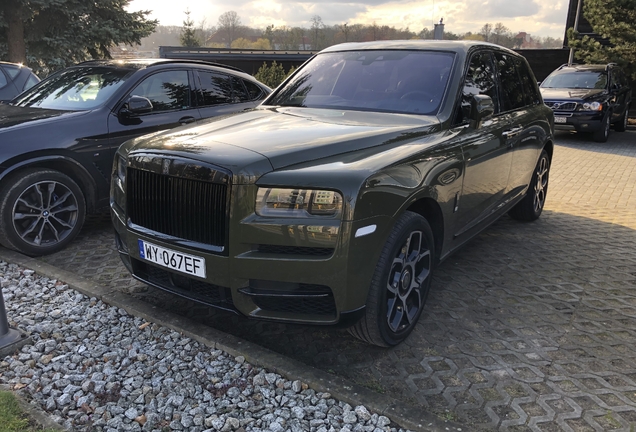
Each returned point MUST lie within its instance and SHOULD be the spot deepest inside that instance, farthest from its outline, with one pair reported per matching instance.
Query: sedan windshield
(392, 81)
(582, 80)
(75, 89)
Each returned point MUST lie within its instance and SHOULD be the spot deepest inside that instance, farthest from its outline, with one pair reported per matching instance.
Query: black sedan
(58, 139)
(14, 79)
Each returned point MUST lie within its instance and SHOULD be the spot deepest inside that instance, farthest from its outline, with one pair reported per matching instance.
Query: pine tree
(612, 20)
(188, 33)
(53, 34)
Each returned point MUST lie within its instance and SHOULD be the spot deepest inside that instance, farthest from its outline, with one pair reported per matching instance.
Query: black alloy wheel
(40, 212)
(531, 206)
(400, 284)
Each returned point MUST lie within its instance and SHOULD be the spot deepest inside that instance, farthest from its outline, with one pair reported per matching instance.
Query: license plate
(559, 119)
(184, 263)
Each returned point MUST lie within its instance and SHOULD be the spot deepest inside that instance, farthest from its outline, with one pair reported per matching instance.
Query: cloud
(538, 17)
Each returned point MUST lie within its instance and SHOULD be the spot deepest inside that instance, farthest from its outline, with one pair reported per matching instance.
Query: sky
(536, 17)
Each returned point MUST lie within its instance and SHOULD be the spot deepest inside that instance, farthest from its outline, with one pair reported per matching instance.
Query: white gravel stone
(91, 367)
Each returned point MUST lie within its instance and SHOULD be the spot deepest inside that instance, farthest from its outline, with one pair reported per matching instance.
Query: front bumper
(277, 270)
(584, 121)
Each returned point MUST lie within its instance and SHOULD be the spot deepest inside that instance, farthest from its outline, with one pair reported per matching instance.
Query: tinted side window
(531, 90)
(253, 90)
(169, 90)
(239, 91)
(30, 82)
(480, 80)
(13, 71)
(3, 79)
(512, 94)
(215, 88)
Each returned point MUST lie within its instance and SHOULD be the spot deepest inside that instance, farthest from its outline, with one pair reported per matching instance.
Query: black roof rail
(161, 61)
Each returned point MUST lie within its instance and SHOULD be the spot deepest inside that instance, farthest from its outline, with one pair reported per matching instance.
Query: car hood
(288, 136)
(16, 117)
(570, 94)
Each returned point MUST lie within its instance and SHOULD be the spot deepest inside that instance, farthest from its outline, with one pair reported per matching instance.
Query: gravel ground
(94, 367)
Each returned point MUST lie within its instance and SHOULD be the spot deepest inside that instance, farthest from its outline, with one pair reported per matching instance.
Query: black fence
(542, 61)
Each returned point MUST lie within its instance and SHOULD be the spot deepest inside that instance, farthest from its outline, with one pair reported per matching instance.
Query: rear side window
(239, 93)
(216, 88)
(253, 90)
(3, 79)
(30, 82)
(530, 88)
(13, 71)
(512, 90)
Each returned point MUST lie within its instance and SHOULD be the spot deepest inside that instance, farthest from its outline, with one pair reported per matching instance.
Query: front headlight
(120, 171)
(592, 106)
(275, 202)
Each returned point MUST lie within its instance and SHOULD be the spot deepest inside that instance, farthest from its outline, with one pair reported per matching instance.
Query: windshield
(577, 80)
(394, 81)
(79, 88)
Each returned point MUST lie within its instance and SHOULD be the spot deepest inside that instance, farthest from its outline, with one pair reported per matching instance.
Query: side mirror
(136, 105)
(481, 108)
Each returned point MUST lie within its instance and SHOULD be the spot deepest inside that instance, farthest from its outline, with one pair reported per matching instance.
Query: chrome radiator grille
(179, 207)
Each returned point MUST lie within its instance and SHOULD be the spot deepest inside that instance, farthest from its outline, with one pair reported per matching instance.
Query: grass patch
(13, 418)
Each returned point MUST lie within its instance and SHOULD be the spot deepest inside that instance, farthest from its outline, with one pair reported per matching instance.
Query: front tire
(602, 134)
(531, 206)
(400, 284)
(41, 211)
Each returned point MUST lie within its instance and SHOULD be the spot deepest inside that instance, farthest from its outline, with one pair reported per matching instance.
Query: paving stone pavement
(530, 327)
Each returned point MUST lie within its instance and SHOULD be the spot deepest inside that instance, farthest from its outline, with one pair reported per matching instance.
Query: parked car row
(328, 201)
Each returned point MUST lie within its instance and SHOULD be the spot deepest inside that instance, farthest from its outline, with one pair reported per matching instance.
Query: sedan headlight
(120, 171)
(592, 106)
(275, 202)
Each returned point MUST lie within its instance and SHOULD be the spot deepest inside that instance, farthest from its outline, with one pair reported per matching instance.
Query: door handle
(186, 120)
(511, 133)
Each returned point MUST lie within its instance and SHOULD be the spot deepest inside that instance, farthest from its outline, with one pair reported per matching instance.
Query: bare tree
(229, 24)
(317, 27)
(485, 31)
(501, 34)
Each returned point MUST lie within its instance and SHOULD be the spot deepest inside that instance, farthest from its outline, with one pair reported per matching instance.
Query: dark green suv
(334, 201)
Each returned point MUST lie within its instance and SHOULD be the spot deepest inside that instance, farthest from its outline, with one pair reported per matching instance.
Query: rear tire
(400, 284)
(621, 125)
(41, 211)
(531, 206)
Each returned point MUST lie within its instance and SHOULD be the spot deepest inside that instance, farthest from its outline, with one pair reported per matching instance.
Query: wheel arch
(63, 164)
(431, 211)
(549, 148)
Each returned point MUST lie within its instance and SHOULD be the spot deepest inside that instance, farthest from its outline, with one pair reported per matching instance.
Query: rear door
(520, 102)
(222, 94)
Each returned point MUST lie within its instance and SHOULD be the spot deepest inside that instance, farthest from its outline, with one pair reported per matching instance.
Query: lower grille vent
(190, 288)
(305, 299)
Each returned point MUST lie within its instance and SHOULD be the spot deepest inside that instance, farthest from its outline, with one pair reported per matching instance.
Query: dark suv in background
(334, 201)
(588, 98)
(58, 139)
(14, 79)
